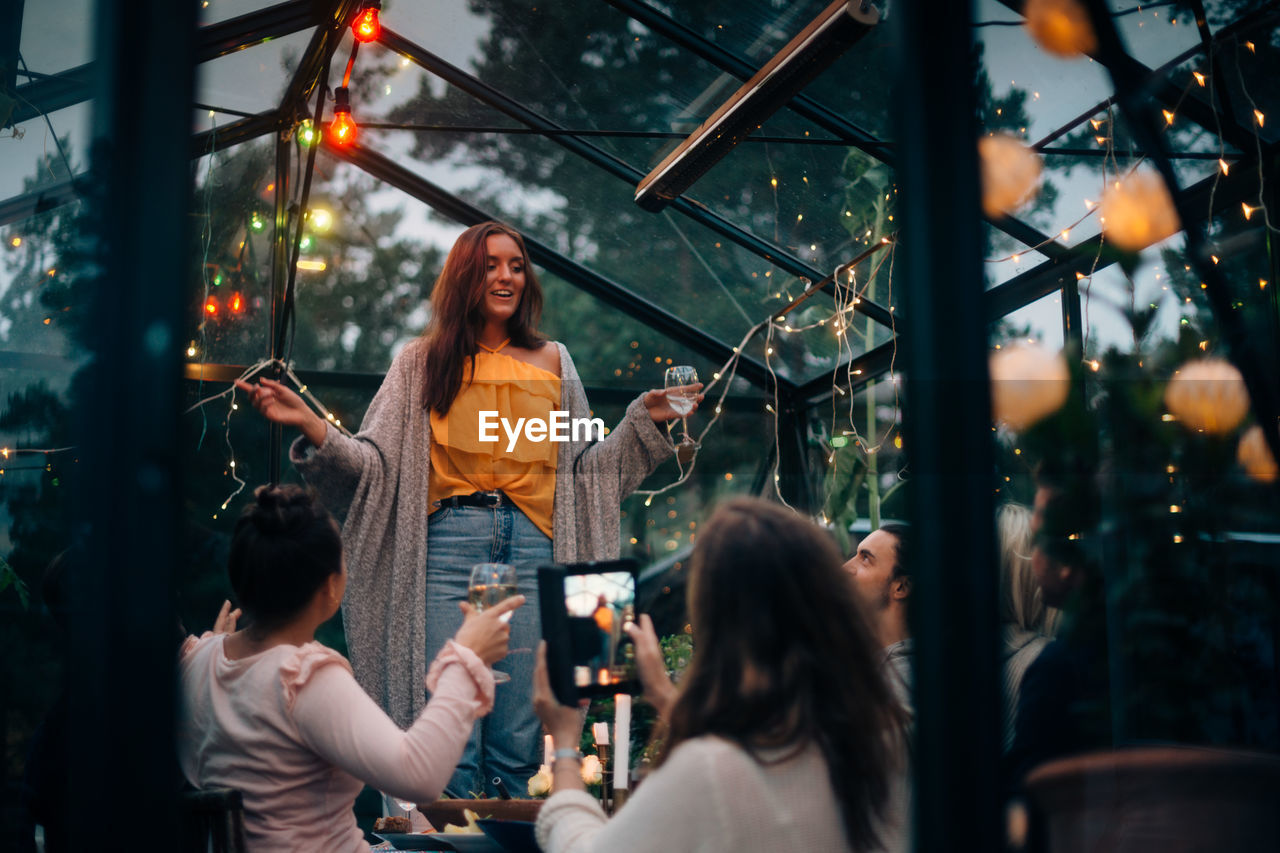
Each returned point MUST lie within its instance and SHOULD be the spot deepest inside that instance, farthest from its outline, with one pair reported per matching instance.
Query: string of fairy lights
(1123, 196)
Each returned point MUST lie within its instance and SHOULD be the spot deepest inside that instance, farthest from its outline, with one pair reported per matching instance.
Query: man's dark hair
(902, 551)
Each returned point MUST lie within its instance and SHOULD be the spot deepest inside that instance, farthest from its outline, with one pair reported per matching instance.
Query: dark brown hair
(784, 657)
(285, 546)
(457, 319)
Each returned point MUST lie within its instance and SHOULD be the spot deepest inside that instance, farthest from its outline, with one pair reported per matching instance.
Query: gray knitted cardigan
(377, 484)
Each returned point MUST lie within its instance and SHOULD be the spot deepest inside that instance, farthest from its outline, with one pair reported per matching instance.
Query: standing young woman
(426, 498)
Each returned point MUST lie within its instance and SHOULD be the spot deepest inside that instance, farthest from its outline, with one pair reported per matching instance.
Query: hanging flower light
(1208, 394)
(1010, 173)
(1255, 456)
(1028, 383)
(1061, 27)
(1138, 211)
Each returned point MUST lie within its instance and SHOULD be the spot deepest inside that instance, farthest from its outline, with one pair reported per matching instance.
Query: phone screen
(599, 605)
(585, 608)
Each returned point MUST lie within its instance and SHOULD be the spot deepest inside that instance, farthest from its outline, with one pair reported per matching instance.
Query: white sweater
(709, 795)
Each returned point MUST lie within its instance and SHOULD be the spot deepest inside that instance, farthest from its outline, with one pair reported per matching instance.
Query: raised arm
(341, 723)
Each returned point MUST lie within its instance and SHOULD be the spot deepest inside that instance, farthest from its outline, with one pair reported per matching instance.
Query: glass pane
(251, 80)
(230, 292)
(34, 157)
(57, 35)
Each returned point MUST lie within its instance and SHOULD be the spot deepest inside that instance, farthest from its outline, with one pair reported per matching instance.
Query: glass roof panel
(32, 156)
(229, 301)
(577, 66)
(56, 35)
(251, 80)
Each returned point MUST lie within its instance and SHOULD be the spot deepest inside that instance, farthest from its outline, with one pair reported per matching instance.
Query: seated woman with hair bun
(279, 717)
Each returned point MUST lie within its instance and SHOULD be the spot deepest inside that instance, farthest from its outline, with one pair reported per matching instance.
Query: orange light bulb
(366, 27)
(211, 307)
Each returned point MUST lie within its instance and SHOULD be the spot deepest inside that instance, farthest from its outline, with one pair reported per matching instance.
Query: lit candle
(600, 731)
(621, 741)
(548, 749)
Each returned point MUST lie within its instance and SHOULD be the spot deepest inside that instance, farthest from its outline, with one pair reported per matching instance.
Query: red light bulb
(342, 130)
(365, 27)
(211, 306)
(236, 304)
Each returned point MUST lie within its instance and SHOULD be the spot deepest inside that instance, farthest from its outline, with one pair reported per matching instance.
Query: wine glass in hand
(491, 583)
(682, 397)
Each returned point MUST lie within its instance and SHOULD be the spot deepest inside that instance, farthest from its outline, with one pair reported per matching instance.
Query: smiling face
(872, 568)
(504, 279)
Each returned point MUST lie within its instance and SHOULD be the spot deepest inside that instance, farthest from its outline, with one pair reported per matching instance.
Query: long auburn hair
(784, 657)
(457, 319)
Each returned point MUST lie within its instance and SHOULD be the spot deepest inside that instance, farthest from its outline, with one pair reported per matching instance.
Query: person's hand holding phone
(658, 687)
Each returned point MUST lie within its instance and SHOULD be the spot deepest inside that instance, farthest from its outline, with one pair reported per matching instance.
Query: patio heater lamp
(835, 30)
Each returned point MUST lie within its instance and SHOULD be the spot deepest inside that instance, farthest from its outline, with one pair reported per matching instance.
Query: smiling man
(882, 580)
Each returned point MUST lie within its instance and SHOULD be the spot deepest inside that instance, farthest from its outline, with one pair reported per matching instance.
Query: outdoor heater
(834, 31)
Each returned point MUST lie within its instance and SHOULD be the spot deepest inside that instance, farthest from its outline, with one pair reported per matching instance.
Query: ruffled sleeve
(299, 668)
(480, 675)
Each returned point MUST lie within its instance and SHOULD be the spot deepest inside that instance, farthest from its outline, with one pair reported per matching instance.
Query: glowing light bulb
(1222, 164)
(342, 130)
(366, 27)
(1168, 116)
(1248, 211)
(306, 133)
(1259, 118)
(1199, 77)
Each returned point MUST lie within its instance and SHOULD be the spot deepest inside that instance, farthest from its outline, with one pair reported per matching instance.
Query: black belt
(488, 500)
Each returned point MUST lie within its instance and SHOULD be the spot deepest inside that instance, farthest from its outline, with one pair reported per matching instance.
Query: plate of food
(468, 839)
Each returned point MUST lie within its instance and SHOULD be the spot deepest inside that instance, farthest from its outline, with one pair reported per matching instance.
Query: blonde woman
(1027, 623)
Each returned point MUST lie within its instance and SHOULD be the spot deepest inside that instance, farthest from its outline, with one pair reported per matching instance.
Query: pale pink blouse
(292, 730)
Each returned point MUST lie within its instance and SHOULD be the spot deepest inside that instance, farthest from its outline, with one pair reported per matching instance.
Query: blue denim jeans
(507, 743)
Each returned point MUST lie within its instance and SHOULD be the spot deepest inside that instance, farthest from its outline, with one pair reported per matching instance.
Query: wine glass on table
(491, 583)
(407, 805)
(682, 396)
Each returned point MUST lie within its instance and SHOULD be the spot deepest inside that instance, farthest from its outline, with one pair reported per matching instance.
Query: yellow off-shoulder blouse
(462, 464)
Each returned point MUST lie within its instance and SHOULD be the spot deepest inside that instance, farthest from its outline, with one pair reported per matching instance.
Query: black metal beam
(128, 495)
(243, 31)
(850, 377)
(956, 786)
(649, 313)
(315, 59)
(54, 92)
(209, 141)
(482, 91)
(40, 200)
(730, 63)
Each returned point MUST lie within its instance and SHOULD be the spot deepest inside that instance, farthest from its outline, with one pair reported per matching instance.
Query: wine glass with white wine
(491, 583)
(682, 397)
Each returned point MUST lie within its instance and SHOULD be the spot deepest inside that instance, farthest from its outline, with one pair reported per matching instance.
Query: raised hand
(227, 618)
(659, 405)
(279, 404)
(487, 632)
(658, 687)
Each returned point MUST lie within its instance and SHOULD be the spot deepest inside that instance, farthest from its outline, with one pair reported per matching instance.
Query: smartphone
(585, 608)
